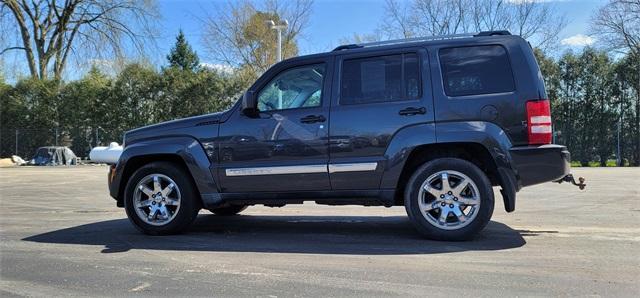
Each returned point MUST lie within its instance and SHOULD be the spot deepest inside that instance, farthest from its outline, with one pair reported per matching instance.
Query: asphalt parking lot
(61, 235)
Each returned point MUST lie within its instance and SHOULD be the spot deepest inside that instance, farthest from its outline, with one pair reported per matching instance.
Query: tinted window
(293, 88)
(476, 70)
(380, 79)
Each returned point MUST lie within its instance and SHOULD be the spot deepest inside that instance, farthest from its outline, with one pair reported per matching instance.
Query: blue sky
(335, 19)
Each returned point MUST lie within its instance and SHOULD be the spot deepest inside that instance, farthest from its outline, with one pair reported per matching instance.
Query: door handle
(410, 111)
(313, 119)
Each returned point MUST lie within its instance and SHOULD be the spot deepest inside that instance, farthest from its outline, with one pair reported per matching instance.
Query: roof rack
(419, 39)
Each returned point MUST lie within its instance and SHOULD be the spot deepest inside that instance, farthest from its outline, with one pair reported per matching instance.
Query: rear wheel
(160, 199)
(449, 199)
(228, 210)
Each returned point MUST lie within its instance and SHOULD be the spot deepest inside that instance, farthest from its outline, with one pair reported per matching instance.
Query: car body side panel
(400, 148)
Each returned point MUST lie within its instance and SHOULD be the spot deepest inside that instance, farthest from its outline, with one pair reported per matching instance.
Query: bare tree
(617, 24)
(534, 20)
(50, 31)
(237, 34)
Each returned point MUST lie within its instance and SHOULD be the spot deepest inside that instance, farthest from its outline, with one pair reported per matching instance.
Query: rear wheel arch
(475, 153)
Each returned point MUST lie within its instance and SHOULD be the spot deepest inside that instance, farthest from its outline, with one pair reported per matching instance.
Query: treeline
(97, 109)
(595, 105)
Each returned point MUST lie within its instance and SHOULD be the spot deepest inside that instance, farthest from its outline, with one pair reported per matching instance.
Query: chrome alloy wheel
(449, 200)
(156, 199)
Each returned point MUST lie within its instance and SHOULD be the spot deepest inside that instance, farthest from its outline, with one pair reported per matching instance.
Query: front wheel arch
(137, 162)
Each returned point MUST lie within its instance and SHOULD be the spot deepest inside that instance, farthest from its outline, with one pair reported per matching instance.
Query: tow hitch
(569, 178)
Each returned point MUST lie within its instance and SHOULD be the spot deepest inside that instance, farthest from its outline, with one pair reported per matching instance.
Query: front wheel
(160, 199)
(449, 199)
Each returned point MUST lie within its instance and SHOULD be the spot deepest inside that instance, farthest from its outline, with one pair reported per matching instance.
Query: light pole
(283, 25)
(278, 27)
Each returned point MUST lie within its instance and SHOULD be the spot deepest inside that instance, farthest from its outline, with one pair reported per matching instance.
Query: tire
(468, 206)
(228, 210)
(173, 218)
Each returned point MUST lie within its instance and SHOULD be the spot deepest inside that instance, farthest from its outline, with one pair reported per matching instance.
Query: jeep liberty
(431, 124)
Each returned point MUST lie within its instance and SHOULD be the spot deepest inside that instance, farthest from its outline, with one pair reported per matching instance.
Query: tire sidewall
(188, 205)
(474, 173)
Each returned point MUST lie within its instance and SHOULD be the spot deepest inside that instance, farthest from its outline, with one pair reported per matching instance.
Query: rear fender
(487, 134)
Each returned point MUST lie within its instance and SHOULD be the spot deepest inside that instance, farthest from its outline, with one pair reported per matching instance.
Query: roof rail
(420, 39)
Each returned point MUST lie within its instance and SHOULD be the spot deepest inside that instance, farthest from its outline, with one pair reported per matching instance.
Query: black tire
(189, 201)
(228, 210)
(431, 231)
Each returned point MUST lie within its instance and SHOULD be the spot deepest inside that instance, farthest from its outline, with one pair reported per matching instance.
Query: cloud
(578, 40)
(222, 68)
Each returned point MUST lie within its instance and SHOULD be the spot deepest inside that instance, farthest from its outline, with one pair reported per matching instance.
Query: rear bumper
(538, 164)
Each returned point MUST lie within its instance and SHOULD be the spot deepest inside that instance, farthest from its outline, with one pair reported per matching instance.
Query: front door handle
(410, 111)
(313, 119)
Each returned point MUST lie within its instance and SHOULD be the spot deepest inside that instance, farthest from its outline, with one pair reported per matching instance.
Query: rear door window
(380, 79)
(476, 70)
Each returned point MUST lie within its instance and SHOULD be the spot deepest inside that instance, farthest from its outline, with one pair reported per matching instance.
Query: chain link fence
(24, 142)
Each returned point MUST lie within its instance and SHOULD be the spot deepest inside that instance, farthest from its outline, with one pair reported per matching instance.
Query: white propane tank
(108, 155)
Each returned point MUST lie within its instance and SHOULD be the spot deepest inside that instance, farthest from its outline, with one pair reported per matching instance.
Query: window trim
(322, 88)
(402, 53)
(442, 74)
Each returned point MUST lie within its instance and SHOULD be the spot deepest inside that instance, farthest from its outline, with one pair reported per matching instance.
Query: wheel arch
(482, 143)
(183, 151)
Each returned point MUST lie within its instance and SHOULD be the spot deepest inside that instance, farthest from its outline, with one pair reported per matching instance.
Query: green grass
(594, 164)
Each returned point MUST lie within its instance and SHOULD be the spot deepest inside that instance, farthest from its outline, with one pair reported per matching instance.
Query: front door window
(294, 88)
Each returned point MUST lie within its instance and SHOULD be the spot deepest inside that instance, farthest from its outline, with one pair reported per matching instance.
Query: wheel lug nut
(449, 192)
(443, 204)
(442, 196)
(455, 199)
(153, 203)
(451, 206)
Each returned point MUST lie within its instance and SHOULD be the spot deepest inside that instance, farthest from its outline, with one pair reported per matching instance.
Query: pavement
(62, 235)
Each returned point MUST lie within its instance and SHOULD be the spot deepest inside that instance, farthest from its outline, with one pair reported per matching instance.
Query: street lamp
(279, 27)
(283, 25)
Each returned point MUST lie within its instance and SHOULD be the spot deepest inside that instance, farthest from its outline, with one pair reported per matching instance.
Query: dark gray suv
(428, 123)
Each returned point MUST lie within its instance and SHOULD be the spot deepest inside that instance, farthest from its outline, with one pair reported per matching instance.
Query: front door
(374, 96)
(285, 148)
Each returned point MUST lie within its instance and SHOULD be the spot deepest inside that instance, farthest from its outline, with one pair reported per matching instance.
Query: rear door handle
(313, 119)
(410, 111)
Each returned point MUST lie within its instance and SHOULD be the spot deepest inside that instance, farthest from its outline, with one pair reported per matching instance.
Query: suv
(429, 123)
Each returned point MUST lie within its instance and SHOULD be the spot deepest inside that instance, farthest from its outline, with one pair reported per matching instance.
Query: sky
(331, 21)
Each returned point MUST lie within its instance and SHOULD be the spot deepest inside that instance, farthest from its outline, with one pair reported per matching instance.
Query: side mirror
(249, 104)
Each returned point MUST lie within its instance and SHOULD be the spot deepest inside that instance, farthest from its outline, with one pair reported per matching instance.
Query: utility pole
(17, 142)
(279, 27)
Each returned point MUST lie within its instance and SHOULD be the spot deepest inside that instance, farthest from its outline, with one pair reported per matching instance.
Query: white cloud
(222, 68)
(578, 40)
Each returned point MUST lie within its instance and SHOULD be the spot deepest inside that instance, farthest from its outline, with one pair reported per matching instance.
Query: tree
(182, 56)
(239, 36)
(50, 31)
(617, 25)
(534, 20)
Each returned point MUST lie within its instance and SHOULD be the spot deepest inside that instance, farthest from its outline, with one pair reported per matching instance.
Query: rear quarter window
(476, 70)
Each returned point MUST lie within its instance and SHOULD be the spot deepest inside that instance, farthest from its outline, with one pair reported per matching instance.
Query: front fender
(188, 149)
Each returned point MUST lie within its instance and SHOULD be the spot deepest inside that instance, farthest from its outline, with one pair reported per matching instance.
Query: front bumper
(538, 164)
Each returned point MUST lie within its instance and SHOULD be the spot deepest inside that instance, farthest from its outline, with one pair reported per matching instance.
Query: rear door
(375, 94)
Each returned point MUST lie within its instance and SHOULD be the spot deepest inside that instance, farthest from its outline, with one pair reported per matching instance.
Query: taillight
(539, 122)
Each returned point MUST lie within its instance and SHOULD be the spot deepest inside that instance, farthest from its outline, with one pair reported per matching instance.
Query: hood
(172, 127)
